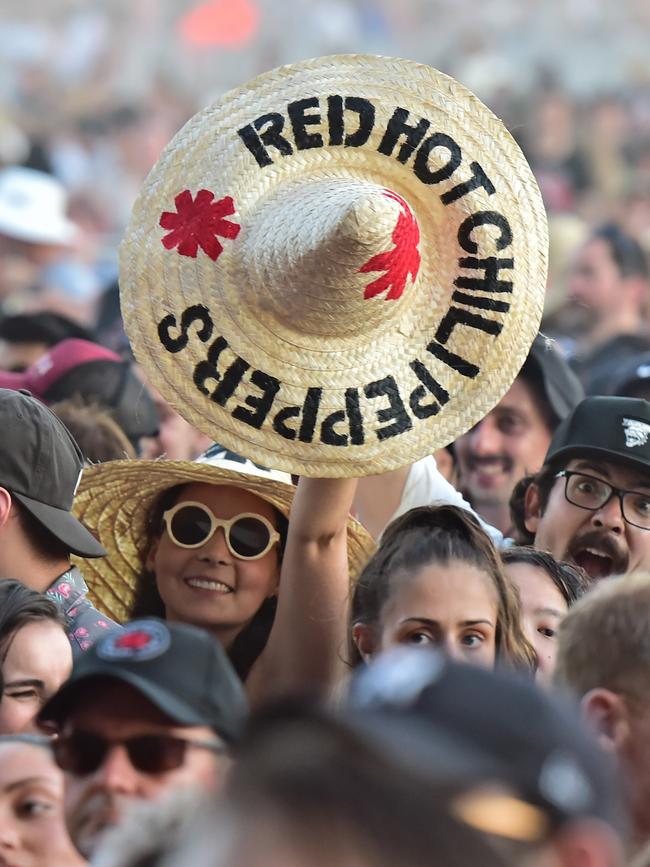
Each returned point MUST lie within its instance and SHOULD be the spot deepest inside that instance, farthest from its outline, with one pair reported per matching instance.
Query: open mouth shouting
(599, 555)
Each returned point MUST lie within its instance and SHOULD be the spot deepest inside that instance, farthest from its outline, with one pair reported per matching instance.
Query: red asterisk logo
(400, 262)
(197, 222)
(133, 641)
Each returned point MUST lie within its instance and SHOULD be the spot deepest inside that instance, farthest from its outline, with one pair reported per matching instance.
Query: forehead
(226, 501)
(20, 761)
(104, 702)
(36, 648)
(619, 475)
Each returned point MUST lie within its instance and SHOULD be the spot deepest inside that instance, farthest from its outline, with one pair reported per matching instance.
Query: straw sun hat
(338, 267)
(114, 501)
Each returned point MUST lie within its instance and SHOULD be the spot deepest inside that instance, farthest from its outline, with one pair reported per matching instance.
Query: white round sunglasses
(248, 536)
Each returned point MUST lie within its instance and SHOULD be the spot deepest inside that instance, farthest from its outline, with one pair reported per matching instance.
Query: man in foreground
(147, 712)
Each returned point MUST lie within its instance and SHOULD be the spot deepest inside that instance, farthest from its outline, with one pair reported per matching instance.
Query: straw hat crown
(347, 241)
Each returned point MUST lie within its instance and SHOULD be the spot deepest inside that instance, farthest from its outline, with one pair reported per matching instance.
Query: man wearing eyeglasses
(147, 712)
(590, 504)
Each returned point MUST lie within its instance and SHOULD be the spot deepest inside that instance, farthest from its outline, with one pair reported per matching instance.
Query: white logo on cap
(137, 642)
(636, 432)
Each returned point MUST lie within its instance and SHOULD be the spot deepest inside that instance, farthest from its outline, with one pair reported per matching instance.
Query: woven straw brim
(114, 500)
(292, 307)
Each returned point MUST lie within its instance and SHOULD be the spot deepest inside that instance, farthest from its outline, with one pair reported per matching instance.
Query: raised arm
(305, 651)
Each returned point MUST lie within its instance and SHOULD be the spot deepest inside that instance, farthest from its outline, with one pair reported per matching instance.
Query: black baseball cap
(631, 377)
(606, 428)
(562, 388)
(182, 670)
(41, 466)
(467, 727)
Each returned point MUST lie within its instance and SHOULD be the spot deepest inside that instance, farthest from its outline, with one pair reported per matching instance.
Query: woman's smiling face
(452, 607)
(208, 586)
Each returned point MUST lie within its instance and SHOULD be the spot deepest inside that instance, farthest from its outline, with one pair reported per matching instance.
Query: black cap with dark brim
(610, 429)
(179, 712)
(64, 526)
(181, 670)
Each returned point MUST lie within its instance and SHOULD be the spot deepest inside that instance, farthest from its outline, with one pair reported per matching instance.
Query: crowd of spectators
(207, 662)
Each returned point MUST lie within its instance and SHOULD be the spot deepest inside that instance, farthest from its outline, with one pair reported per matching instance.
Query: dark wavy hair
(572, 581)
(439, 534)
(19, 606)
(147, 601)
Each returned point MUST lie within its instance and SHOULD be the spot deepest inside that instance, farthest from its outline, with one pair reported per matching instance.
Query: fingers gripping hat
(337, 267)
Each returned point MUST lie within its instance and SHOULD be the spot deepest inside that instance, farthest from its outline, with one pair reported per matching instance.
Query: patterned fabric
(86, 624)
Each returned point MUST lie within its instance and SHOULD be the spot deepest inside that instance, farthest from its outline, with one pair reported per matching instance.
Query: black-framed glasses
(81, 753)
(592, 493)
(248, 536)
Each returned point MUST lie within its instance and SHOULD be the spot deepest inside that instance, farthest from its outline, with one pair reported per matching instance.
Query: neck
(496, 514)
(224, 634)
(39, 575)
(624, 322)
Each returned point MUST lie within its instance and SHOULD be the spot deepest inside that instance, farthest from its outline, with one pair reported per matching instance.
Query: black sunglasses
(81, 753)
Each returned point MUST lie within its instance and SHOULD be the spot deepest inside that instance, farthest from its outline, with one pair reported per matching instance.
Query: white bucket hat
(33, 207)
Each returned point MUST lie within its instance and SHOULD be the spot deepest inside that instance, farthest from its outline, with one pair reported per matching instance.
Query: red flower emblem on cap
(133, 641)
(197, 223)
(400, 262)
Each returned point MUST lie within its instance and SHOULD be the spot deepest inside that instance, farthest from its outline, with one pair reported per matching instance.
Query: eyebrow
(553, 612)
(38, 684)
(25, 781)
(604, 471)
(429, 622)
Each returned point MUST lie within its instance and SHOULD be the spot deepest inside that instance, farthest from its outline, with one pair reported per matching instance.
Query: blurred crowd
(206, 662)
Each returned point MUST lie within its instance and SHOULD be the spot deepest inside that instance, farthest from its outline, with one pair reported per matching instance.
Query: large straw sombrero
(114, 500)
(337, 267)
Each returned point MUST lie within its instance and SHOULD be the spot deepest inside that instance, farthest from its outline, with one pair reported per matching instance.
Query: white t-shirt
(425, 486)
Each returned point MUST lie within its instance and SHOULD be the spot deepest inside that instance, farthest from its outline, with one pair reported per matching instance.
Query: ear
(363, 636)
(606, 713)
(150, 560)
(532, 509)
(5, 506)
(637, 289)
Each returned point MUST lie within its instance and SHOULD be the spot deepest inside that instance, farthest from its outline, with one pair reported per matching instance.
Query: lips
(486, 472)
(599, 555)
(208, 584)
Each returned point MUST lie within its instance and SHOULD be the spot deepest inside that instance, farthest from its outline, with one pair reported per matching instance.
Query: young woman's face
(32, 828)
(542, 608)
(37, 661)
(208, 586)
(452, 607)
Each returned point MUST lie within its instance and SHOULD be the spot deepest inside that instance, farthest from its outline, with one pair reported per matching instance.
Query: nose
(215, 549)
(610, 516)
(116, 772)
(9, 836)
(484, 439)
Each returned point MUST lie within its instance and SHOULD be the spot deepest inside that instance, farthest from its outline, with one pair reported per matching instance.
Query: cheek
(15, 717)
(259, 576)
